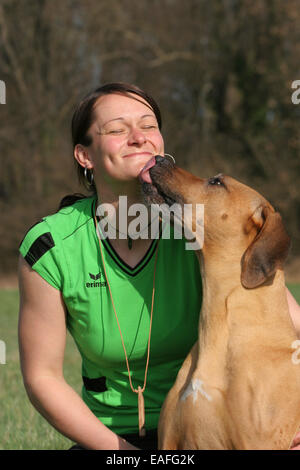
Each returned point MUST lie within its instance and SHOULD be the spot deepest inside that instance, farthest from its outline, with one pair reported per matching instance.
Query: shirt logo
(95, 276)
(97, 283)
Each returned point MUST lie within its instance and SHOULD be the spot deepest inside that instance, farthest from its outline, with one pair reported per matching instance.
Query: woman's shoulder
(59, 225)
(70, 217)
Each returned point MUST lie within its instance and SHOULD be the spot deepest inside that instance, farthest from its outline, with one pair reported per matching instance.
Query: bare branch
(17, 70)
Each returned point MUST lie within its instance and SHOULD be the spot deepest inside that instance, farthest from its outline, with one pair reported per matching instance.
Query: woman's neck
(110, 192)
(123, 215)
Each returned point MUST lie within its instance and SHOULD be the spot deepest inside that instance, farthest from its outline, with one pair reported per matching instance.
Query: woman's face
(125, 135)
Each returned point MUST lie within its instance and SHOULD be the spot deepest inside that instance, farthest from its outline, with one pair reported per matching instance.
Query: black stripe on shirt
(41, 245)
(95, 385)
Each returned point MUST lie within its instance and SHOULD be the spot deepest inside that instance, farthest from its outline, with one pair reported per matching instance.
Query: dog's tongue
(144, 173)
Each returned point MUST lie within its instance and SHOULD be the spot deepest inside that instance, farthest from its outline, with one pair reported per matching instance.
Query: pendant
(141, 408)
(129, 243)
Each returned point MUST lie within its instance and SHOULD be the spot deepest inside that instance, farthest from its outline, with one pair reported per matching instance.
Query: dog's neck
(229, 310)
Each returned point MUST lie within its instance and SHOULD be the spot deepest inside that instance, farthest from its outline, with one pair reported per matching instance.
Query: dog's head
(237, 219)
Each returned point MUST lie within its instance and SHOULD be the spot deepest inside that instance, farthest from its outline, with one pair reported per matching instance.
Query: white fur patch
(193, 388)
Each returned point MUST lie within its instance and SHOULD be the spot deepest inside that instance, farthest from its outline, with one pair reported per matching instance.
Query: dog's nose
(163, 161)
(159, 159)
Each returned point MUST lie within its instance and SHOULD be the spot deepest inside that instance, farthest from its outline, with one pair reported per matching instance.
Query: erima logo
(95, 278)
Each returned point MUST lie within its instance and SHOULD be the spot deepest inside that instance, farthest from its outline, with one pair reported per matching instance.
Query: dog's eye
(216, 181)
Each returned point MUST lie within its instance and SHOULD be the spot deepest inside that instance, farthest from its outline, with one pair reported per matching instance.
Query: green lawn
(295, 290)
(21, 427)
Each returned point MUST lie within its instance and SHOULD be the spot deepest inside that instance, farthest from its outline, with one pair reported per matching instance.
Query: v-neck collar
(131, 271)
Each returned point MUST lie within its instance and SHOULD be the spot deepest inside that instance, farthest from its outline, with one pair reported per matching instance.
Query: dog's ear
(268, 251)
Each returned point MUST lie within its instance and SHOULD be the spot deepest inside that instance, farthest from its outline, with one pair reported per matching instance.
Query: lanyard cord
(139, 390)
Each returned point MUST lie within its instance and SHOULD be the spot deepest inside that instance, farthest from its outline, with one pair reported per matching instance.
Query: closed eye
(217, 181)
(116, 131)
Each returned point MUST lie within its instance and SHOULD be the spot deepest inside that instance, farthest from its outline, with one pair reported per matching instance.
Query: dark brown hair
(83, 118)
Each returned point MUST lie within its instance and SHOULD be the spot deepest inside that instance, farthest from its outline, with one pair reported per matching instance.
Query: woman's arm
(42, 338)
(294, 311)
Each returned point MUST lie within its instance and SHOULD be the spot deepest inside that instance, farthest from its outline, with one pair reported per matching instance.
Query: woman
(102, 290)
(116, 130)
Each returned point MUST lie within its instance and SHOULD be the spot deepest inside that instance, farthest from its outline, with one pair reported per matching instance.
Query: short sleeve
(41, 252)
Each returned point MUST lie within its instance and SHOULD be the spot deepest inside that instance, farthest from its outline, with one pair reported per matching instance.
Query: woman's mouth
(144, 174)
(154, 178)
(137, 154)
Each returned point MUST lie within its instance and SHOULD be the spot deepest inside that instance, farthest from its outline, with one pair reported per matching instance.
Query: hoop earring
(91, 180)
(168, 155)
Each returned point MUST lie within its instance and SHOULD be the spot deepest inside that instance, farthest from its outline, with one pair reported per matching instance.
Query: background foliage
(221, 72)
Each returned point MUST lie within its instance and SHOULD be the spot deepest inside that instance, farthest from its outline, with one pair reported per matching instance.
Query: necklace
(139, 390)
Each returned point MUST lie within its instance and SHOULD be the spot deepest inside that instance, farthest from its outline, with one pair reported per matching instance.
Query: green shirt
(64, 249)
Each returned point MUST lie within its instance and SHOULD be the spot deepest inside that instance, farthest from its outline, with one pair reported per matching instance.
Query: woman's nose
(136, 137)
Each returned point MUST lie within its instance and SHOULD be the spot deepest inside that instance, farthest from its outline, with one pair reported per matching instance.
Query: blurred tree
(221, 71)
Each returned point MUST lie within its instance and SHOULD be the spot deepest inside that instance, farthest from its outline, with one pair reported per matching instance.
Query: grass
(21, 426)
(295, 290)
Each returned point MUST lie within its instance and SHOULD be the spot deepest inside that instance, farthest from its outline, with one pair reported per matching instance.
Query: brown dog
(239, 387)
